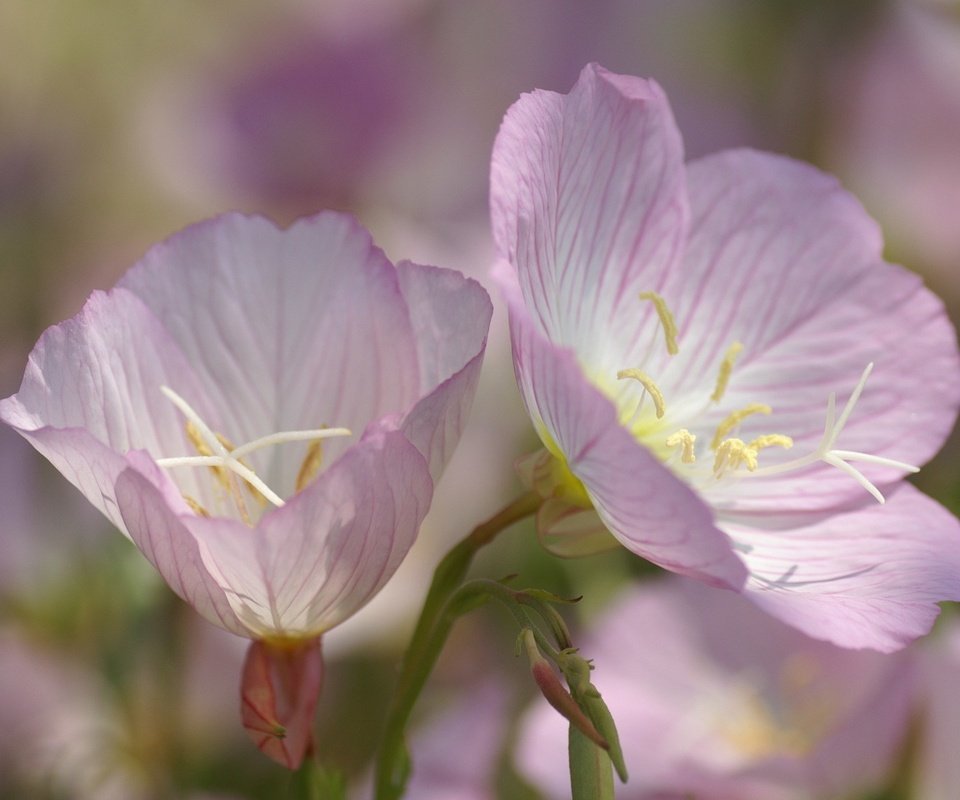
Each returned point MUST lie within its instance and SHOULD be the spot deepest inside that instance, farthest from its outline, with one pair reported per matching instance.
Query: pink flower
(264, 413)
(714, 699)
(694, 342)
(936, 771)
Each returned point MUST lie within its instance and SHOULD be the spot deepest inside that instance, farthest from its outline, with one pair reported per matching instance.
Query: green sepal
(315, 782)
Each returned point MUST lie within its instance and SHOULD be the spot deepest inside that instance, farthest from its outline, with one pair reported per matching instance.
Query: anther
(726, 367)
(731, 454)
(666, 320)
(195, 507)
(826, 452)
(734, 419)
(310, 466)
(686, 441)
(647, 382)
(771, 440)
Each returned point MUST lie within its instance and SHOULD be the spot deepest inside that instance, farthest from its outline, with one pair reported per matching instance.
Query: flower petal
(871, 577)
(279, 692)
(290, 329)
(588, 203)
(450, 316)
(157, 517)
(91, 392)
(785, 261)
(647, 508)
(314, 562)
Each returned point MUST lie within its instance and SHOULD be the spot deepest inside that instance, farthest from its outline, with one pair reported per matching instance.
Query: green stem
(428, 639)
(313, 782)
(591, 772)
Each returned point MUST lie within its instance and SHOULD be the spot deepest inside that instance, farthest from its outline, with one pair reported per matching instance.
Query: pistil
(839, 458)
(216, 455)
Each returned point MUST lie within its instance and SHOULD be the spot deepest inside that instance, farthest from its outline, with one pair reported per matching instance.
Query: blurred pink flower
(714, 699)
(660, 312)
(455, 752)
(894, 125)
(234, 328)
(295, 129)
(63, 736)
(936, 770)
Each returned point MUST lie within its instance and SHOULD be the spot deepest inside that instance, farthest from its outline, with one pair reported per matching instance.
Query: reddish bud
(556, 693)
(279, 691)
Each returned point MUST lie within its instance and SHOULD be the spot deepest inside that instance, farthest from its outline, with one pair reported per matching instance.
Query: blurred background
(122, 121)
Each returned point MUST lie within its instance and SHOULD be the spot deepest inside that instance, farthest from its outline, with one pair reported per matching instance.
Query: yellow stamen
(731, 454)
(224, 476)
(666, 320)
(726, 367)
(686, 441)
(648, 384)
(771, 440)
(735, 419)
(195, 507)
(311, 464)
(203, 449)
(253, 490)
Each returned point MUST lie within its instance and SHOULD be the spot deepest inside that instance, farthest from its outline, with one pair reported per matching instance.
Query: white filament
(230, 459)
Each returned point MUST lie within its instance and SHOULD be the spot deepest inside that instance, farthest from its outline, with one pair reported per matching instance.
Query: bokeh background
(122, 121)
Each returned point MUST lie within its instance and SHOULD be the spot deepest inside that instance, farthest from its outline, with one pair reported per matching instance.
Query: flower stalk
(443, 603)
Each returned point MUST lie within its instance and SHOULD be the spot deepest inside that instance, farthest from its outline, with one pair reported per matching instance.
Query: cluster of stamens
(226, 461)
(733, 455)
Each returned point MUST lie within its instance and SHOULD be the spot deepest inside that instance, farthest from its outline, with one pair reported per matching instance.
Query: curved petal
(291, 329)
(871, 577)
(91, 392)
(450, 316)
(783, 260)
(311, 564)
(588, 203)
(148, 505)
(647, 508)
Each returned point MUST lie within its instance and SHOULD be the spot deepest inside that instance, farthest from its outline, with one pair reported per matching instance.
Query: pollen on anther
(731, 454)
(686, 441)
(647, 382)
(311, 464)
(734, 419)
(726, 367)
(771, 440)
(195, 507)
(666, 320)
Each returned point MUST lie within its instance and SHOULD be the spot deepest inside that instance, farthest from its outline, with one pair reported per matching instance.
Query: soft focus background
(122, 121)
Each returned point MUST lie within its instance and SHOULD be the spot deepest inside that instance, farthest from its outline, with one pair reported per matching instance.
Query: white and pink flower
(716, 700)
(724, 372)
(264, 413)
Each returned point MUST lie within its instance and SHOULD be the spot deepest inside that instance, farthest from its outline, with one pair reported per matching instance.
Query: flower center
(231, 472)
(733, 456)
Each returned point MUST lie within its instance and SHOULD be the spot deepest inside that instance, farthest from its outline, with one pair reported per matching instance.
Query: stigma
(734, 456)
(226, 461)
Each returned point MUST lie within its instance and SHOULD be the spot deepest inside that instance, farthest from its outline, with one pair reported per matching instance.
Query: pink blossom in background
(722, 368)
(300, 123)
(441, 767)
(893, 129)
(191, 404)
(714, 699)
(456, 750)
(936, 770)
(61, 733)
